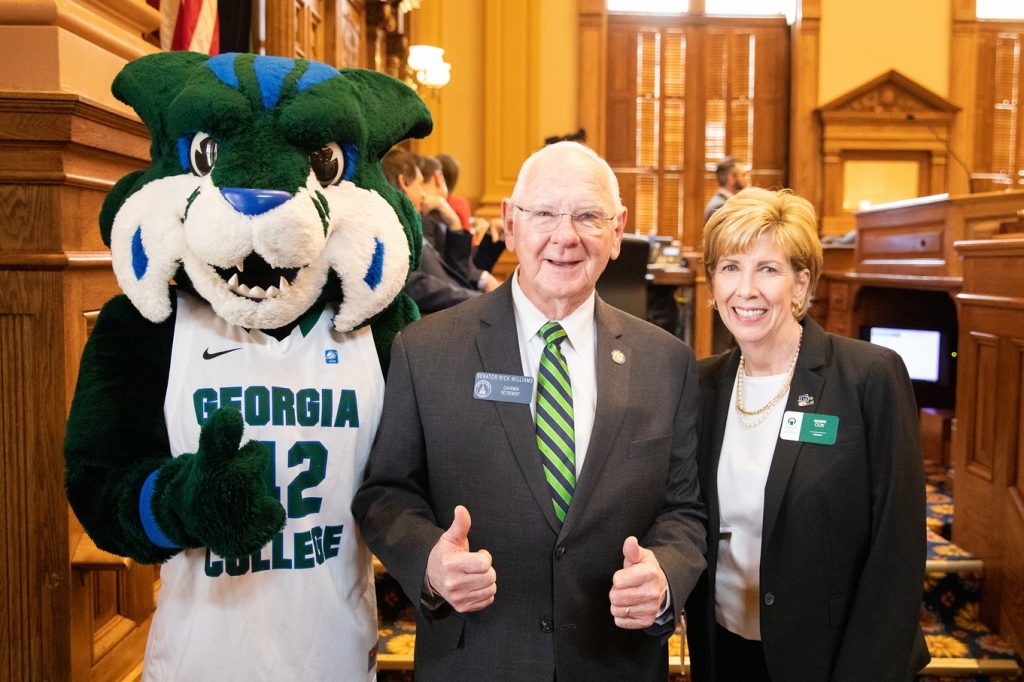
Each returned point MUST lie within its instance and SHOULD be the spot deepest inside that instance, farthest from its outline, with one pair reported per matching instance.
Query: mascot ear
(396, 111)
(149, 85)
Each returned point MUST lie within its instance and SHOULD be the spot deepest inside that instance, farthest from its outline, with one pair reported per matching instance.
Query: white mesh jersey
(303, 607)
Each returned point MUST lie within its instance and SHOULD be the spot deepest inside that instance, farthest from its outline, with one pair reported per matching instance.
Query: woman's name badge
(504, 388)
(809, 428)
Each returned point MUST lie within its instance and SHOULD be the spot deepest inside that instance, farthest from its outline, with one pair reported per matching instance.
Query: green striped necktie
(556, 436)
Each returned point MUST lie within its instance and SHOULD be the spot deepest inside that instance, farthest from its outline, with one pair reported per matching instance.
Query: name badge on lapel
(809, 428)
(503, 388)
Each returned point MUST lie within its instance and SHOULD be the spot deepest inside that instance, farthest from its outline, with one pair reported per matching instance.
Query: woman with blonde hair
(811, 468)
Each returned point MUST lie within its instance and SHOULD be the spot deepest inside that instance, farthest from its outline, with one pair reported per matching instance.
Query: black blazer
(843, 544)
(437, 447)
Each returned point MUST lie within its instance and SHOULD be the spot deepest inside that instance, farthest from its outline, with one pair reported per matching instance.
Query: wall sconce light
(429, 67)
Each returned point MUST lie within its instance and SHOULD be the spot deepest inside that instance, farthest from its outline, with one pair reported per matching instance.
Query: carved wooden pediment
(891, 93)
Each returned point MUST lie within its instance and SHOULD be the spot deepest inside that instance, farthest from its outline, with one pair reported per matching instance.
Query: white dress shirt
(743, 467)
(579, 350)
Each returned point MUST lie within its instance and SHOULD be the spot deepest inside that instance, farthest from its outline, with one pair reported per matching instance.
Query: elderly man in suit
(533, 487)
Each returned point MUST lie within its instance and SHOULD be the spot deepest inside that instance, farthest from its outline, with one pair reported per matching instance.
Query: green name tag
(809, 428)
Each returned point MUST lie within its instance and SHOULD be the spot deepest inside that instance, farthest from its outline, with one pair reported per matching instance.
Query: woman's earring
(797, 309)
(714, 303)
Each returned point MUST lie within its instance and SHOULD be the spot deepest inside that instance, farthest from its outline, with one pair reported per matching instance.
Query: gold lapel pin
(618, 357)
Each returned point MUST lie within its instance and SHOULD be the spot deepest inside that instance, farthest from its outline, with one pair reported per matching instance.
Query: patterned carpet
(939, 500)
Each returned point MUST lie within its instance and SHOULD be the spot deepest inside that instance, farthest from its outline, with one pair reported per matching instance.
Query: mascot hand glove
(217, 497)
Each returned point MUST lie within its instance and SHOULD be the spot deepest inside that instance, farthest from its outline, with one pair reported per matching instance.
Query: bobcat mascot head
(264, 195)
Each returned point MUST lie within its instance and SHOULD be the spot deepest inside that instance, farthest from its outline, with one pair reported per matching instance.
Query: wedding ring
(626, 615)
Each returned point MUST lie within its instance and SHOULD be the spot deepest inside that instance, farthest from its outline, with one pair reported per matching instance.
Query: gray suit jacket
(716, 202)
(438, 446)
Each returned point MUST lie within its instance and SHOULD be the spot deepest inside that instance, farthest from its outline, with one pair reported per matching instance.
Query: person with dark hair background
(434, 286)
(732, 177)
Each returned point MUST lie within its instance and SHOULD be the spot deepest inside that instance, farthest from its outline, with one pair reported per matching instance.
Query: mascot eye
(202, 154)
(328, 163)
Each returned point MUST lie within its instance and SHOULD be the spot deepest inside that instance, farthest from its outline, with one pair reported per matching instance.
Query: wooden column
(74, 612)
(71, 611)
(511, 131)
(805, 161)
(963, 69)
(593, 70)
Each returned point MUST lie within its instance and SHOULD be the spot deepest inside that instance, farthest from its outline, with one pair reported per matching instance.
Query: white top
(579, 350)
(742, 474)
(302, 607)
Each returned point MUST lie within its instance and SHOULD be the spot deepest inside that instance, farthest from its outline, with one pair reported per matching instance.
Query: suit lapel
(806, 380)
(498, 344)
(713, 433)
(612, 401)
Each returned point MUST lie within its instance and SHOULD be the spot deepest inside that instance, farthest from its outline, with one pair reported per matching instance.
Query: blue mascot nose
(254, 201)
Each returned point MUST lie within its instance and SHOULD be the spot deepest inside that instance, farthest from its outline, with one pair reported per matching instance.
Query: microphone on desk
(952, 154)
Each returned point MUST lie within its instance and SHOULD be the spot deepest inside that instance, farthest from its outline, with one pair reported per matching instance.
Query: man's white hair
(552, 152)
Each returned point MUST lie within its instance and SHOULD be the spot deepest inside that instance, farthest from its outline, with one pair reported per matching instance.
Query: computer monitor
(919, 348)
(930, 358)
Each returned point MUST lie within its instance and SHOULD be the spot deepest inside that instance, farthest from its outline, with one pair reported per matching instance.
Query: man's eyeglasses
(588, 223)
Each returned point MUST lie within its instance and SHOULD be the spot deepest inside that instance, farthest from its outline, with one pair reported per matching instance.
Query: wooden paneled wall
(73, 612)
(988, 446)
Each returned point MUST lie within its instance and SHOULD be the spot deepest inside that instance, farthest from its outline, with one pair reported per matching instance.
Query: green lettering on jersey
(332, 540)
(258, 562)
(283, 401)
(257, 406)
(308, 407)
(237, 566)
(205, 402)
(298, 504)
(348, 410)
(231, 396)
(277, 557)
(213, 568)
(318, 543)
(326, 407)
(304, 550)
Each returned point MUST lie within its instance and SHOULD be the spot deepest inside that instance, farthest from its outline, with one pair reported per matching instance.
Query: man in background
(732, 177)
(433, 286)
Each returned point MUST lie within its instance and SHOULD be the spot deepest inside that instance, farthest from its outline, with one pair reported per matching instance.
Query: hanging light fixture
(429, 67)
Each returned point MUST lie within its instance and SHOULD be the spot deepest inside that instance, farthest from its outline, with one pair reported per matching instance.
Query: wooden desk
(908, 246)
(988, 444)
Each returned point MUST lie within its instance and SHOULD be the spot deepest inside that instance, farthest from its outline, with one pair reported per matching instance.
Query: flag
(189, 25)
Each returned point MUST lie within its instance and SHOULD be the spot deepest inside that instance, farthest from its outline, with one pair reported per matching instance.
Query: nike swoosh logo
(207, 355)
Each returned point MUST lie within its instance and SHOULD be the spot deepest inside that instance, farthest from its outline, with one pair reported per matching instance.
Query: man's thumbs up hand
(465, 579)
(638, 588)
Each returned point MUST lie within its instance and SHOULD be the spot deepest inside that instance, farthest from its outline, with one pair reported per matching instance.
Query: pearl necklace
(752, 418)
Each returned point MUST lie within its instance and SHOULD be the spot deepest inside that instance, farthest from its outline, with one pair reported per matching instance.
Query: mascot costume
(221, 424)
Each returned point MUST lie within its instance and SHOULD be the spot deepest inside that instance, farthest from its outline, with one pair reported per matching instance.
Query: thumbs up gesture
(638, 588)
(465, 579)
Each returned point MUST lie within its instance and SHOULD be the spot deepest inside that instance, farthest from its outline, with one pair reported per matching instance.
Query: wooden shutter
(646, 115)
(999, 149)
(744, 109)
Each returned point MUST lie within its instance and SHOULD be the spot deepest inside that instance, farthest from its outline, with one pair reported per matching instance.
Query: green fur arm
(117, 439)
(393, 319)
(116, 434)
